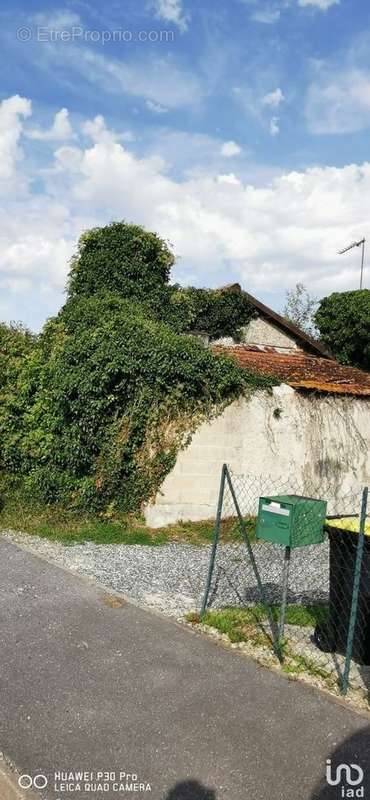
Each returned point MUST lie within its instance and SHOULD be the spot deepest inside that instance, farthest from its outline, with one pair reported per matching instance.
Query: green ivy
(96, 408)
(217, 312)
(124, 259)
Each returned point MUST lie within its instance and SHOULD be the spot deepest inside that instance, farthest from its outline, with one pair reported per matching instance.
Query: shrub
(95, 409)
(16, 345)
(218, 312)
(110, 397)
(121, 258)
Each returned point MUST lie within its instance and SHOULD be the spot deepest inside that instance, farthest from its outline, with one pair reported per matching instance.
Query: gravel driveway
(171, 578)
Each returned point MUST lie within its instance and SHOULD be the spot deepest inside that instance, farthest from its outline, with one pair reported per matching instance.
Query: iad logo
(348, 774)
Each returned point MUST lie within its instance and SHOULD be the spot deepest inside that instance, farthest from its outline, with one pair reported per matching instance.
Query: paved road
(87, 686)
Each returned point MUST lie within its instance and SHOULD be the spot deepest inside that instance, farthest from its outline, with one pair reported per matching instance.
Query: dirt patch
(112, 601)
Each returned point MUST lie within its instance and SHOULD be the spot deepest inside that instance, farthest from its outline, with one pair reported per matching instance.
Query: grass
(298, 665)
(247, 625)
(240, 624)
(68, 527)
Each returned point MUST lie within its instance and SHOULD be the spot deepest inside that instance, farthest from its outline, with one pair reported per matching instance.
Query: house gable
(261, 331)
(269, 329)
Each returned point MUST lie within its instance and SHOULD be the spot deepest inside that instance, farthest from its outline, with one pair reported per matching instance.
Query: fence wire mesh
(291, 576)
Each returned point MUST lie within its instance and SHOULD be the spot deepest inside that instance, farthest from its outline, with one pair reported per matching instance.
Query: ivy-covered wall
(94, 410)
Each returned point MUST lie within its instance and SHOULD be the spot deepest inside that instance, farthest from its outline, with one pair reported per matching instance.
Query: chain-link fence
(289, 574)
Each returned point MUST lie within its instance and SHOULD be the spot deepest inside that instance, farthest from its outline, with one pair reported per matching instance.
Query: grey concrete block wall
(311, 436)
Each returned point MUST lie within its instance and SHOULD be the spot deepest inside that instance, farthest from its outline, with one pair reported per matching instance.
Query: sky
(238, 130)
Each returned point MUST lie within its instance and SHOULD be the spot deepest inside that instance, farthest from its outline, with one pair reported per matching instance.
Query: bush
(110, 397)
(95, 409)
(218, 312)
(343, 320)
(121, 258)
(16, 345)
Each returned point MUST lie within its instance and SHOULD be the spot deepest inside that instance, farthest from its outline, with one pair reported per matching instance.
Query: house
(314, 428)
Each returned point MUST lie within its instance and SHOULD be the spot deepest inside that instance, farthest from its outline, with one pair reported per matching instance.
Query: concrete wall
(261, 331)
(284, 440)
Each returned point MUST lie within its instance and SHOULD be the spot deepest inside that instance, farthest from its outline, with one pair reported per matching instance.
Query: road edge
(9, 786)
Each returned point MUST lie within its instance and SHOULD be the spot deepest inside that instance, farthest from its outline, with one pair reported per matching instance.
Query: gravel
(171, 578)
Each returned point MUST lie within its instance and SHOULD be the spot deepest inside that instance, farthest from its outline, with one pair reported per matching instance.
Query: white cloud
(172, 11)
(259, 106)
(68, 158)
(12, 113)
(97, 130)
(274, 126)
(270, 13)
(339, 102)
(273, 99)
(156, 107)
(60, 129)
(268, 237)
(230, 149)
(158, 80)
(323, 5)
(59, 20)
(229, 178)
(267, 16)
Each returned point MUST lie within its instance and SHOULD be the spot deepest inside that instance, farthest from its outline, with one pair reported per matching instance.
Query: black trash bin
(332, 636)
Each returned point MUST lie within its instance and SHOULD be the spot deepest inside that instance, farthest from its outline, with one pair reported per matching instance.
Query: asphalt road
(88, 686)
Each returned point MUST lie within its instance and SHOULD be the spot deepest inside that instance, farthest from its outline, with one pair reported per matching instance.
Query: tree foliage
(15, 342)
(121, 258)
(95, 409)
(343, 320)
(16, 346)
(216, 312)
(300, 308)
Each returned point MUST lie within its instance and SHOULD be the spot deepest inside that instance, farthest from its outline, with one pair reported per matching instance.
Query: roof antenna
(357, 244)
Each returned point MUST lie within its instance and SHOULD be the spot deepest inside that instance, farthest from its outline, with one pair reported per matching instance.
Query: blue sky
(239, 131)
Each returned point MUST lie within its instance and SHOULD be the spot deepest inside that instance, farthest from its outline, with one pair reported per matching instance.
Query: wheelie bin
(332, 635)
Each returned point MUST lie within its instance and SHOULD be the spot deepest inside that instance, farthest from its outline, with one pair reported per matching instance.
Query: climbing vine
(103, 399)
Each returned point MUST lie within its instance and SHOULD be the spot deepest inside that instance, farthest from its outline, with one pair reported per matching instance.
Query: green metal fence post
(286, 569)
(216, 536)
(274, 629)
(355, 593)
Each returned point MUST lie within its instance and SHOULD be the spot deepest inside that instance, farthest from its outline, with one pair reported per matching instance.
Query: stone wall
(312, 438)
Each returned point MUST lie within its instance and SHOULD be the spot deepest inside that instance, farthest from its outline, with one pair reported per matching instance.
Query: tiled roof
(300, 370)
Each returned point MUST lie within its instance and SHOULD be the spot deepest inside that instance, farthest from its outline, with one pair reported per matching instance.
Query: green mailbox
(291, 520)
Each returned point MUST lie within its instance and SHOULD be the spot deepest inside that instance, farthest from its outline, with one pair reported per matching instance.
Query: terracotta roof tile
(301, 371)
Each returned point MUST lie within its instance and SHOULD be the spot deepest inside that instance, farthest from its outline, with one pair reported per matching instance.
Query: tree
(121, 258)
(343, 320)
(94, 410)
(15, 342)
(300, 308)
(110, 396)
(16, 345)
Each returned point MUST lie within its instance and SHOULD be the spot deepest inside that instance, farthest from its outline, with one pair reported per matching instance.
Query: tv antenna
(357, 244)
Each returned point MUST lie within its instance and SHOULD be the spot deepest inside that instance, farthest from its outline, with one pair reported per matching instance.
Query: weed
(71, 527)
